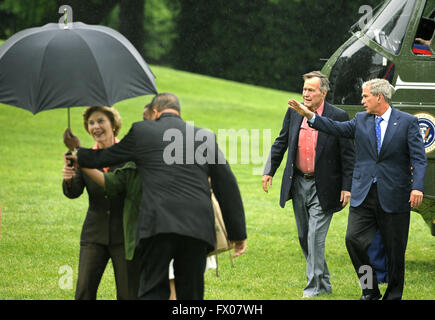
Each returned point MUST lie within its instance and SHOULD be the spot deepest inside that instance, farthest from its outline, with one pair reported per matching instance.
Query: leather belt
(308, 176)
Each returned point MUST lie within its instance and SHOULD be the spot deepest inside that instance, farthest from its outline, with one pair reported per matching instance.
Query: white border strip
(400, 84)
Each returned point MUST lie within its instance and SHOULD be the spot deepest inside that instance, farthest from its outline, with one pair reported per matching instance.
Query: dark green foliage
(264, 42)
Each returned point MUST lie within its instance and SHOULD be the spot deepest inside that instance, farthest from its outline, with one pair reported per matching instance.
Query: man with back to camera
(317, 177)
(175, 216)
(384, 189)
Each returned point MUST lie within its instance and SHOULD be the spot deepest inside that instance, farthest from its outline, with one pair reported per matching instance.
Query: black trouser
(92, 263)
(189, 256)
(363, 222)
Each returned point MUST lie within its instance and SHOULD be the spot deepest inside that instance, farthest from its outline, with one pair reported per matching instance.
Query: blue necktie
(378, 137)
(378, 133)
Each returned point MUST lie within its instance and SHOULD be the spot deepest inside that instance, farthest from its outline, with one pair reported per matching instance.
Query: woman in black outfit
(102, 234)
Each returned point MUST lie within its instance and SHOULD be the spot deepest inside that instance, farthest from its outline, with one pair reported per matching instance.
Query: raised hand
(300, 108)
(70, 140)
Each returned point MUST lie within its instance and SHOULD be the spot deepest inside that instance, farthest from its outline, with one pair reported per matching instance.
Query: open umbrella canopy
(55, 67)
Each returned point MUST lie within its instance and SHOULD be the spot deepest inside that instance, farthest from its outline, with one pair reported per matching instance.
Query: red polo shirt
(306, 155)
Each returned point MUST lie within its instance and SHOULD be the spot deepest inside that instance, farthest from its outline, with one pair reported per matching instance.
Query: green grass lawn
(40, 228)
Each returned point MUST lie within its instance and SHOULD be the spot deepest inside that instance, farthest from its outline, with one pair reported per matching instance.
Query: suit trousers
(92, 263)
(363, 223)
(378, 258)
(189, 256)
(312, 225)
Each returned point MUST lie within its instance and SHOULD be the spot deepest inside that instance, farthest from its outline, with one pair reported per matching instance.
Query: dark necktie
(378, 137)
(378, 133)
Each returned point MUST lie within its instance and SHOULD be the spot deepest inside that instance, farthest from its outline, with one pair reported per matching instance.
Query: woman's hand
(68, 172)
(70, 140)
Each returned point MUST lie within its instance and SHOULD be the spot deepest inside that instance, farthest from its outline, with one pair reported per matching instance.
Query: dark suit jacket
(103, 222)
(333, 164)
(175, 187)
(402, 148)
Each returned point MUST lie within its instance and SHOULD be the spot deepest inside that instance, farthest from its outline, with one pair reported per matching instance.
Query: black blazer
(103, 222)
(174, 160)
(333, 164)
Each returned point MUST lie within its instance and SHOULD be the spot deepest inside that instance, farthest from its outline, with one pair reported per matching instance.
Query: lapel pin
(395, 123)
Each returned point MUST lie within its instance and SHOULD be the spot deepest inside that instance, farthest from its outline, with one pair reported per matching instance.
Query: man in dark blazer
(317, 177)
(176, 219)
(388, 144)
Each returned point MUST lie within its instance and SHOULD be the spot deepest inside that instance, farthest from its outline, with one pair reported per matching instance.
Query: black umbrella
(59, 66)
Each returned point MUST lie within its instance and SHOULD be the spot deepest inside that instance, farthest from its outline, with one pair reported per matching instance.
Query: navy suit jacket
(402, 148)
(333, 163)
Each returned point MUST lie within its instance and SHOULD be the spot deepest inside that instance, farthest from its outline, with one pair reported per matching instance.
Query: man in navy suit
(317, 177)
(384, 189)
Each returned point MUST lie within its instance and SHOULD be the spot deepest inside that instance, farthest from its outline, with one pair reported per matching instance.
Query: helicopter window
(389, 27)
(425, 30)
(356, 64)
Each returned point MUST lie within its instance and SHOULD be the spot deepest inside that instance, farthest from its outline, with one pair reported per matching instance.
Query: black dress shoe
(373, 296)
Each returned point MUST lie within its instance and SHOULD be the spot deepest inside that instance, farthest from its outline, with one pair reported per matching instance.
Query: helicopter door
(415, 69)
(425, 32)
